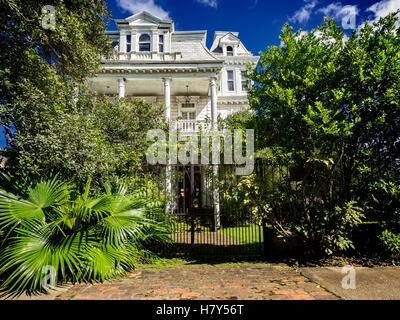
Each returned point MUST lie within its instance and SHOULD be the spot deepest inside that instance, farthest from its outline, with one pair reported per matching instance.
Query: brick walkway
(245, 282)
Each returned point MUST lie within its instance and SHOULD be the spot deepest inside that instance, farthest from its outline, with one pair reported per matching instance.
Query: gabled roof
(144, 18)
(220, 34)
(229, 37)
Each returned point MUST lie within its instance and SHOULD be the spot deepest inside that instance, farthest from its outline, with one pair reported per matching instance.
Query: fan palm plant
(80, 238)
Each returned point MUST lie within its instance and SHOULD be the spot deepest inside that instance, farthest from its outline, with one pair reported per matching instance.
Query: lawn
(245, 235)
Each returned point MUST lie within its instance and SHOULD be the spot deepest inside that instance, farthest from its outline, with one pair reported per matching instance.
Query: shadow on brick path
(248, 281)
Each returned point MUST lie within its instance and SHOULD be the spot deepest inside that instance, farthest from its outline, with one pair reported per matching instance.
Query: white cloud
(301, 35)
(297, 38)
(209, 3)
(136, 6)
(318, 34)
(303, 14)
(337, 10)
(383, 8)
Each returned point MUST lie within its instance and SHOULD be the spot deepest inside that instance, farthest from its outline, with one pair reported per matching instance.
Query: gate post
(217, 211)
(192, 227)
(268, 235)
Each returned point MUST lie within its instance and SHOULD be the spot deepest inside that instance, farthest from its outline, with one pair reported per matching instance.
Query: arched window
(229, 51)
(144, 42)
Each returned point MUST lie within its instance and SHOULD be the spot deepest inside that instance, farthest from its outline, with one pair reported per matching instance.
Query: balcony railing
(146, 56)
(190, 126)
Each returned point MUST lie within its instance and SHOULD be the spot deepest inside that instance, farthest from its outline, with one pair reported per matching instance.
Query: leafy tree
(327, 110)
(52, 122)
(41, 68)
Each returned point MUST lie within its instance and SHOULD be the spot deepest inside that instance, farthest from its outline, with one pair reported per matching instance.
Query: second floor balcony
(146, 56)
(188, 127)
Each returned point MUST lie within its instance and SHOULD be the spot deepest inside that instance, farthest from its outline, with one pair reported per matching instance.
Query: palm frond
(82, 238)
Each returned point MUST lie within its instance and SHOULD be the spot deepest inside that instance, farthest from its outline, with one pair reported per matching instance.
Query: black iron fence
(195, 227)
(195, 233)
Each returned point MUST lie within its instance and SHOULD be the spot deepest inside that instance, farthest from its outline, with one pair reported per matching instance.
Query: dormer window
(144, 43)
(161, 43)
(229, 51)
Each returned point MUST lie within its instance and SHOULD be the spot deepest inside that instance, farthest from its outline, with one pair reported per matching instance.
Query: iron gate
(194, 233)
(194, 227)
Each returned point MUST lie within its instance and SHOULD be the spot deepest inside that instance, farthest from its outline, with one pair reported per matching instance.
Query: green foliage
(391, 242)
(327, 116)
(99, 139)
(83, 238)
(53, 124)
(340, 225)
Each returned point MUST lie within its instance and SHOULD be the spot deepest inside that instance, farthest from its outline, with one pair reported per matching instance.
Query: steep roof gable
(145, 17)
(229, 37)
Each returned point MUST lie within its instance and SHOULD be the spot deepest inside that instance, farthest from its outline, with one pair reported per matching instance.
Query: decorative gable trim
(229, 38)
(144, 15)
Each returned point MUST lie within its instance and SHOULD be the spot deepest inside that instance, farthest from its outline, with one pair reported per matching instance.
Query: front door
(189, 188)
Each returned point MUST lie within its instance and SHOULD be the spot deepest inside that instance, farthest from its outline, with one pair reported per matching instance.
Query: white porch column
(214, 101)
(214, 123)
(215, 192)
(121, 88)
(169, 206)
(167, 98)
(169, 199)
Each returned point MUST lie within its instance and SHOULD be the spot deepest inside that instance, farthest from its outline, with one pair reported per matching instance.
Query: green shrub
(82, 238)
(391, 242)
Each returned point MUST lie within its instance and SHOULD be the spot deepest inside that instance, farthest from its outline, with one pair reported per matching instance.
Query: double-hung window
(245, 82)
(231, 80)
(188, 111)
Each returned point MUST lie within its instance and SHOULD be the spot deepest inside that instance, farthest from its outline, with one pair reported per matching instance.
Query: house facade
(155, 62)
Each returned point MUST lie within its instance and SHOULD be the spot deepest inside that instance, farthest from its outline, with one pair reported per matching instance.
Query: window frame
(147, 42)
(187, 110)
(229, 53)
(161, 42)
(244, 80)
(128, 43)
(230, 81)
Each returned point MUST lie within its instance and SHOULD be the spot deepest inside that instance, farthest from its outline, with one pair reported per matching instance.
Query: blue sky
(258, 22)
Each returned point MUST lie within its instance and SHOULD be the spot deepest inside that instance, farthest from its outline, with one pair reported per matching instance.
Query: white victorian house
(175, 68)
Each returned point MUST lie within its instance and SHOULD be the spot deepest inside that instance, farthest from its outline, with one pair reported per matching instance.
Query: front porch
(188, 92)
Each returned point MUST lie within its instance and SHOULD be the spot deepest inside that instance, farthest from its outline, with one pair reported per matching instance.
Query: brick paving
(255, 281)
